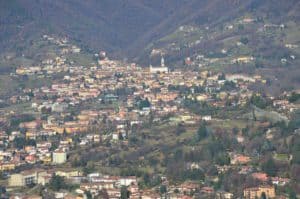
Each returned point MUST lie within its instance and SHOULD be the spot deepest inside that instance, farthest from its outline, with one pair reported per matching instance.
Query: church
(160, 69)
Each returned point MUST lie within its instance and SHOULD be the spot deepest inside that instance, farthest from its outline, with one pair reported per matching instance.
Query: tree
(244, 40)
(235, 130)
(144, 103)
(16, 120)
(228, 85)
(65, 132)
(241, 27)
(89, 168)
(88, 195)
(2, 190)
(296, 157)
(292, 194)
(269, 167)
(294, 97)
(212, 170)
(163, 189)
(31, 142)
(222, 76)
(258, 101)
(178, 155)
(202, 132)
(146, 178)
(222, 159)
(57, 182)
(19, 142)
(121, 136)
(124, 192)
(194, 174)
(180, 129)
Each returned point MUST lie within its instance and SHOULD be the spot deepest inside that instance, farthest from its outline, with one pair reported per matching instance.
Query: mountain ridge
(122, 27)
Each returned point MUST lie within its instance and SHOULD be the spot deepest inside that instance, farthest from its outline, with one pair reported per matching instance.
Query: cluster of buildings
(124, 95)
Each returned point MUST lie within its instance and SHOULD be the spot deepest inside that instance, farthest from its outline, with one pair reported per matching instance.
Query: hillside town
(94, 131)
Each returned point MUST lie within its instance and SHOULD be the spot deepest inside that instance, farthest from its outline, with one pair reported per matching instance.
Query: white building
(206, 118)
(126, 181)
(59, 157)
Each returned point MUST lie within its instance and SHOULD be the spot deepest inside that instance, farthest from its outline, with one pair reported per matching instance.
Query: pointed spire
(162, 62)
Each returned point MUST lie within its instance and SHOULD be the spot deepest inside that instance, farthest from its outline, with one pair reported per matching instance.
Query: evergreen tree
(202, 132)
(124, 193)
(269, 167)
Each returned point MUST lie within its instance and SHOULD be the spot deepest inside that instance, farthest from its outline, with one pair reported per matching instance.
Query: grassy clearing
(292, 33)
(281, 157)
(82, 59)
(229, 124)
(20, 108)
(7, 85)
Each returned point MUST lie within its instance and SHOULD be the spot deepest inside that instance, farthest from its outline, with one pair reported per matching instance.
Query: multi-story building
(28, 178)
(257, 192)
(59, 157)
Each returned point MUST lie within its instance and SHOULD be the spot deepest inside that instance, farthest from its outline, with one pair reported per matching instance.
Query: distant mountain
(122, 27)
(105, 24)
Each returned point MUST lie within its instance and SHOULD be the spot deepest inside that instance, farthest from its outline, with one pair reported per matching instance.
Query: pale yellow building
(256, 192)
(59, 157)
(7, 166)
(29, 177)
(67, 173)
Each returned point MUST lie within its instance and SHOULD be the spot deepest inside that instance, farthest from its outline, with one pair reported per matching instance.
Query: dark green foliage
(244, 40)
(228, 85)
(124, 193)
(146, 178)
(201, 108)
(202, 132)
(123, 91)
(222, 159)
(89, 168)
(133, 139)
(177, 171)
(3, 104)
(88, 195)
(180, 129)
(241, 27)
(2, 190)
(57, 183)
(131, 171)
(115, 161)
(21, 142)
(194, 174)
(142, 103)
(212, 170)
(294, 97)
(295, 149)
(222, 76)
(163, 189)
(296, 157)
(259, 101)
(269, 167)
(267, 146)
(182, 89)
(16, 120)
(292, 194)
(294, 122)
